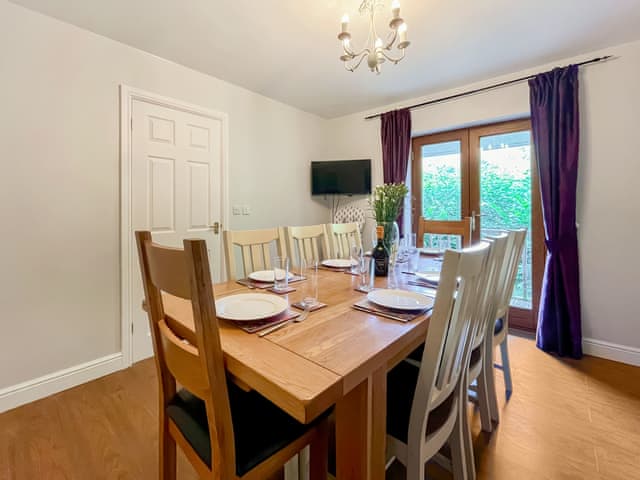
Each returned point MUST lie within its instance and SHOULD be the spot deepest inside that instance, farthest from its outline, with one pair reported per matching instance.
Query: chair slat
(255, 247)
(461, 228)
(167, 269)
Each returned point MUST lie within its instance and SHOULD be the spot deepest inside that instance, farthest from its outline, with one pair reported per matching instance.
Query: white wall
(608, 199)
(59, 187)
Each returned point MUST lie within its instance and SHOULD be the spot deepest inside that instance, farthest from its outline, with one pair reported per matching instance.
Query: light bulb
(395, 8)
(345, 22)
(402, 30)
(378, 42)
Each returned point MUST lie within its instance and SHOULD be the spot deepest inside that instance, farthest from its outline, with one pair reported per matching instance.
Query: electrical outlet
(237, 210)
(246, 210)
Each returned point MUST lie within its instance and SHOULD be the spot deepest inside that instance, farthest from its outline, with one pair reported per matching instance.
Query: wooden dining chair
(309, 243)
(255, 249)
(341, 238)
(425, 403)
(461, 228)
(515, 247)
(224, 431)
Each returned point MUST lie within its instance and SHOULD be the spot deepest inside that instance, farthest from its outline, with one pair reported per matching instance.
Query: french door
(487, 173)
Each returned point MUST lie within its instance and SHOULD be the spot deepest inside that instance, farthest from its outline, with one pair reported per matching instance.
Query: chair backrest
(450, 328)
(307, 243)
(341, 237)
(199, 368)
(461, 228)
(490, 297)
(255, 249)
(350, 214)
(514, 254)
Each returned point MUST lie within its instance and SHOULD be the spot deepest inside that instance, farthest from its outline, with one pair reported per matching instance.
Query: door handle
(216, 228)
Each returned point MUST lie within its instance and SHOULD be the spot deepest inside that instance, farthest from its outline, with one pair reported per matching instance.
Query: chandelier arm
(391, 59)
(354, 66)
(353, 54)
(391, 38)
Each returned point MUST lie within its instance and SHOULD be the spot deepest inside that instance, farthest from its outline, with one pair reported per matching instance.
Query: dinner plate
(400, 299)
(339, 263)
(266, 275)
(250, 306)
(431, 277)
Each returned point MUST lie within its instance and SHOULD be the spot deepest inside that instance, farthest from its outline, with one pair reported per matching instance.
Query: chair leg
(318, 463)
(167, 451)
(506, 367)
(490, 377)
(467, 441)
(415, 469)
(483, 401)
(458, 454)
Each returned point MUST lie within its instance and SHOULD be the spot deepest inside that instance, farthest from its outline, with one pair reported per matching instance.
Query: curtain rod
(484, 89)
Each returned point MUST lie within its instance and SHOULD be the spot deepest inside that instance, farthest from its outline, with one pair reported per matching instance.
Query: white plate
(266, 275)
(250, 306)
(400, 299)
(432, 277)
(339, 263)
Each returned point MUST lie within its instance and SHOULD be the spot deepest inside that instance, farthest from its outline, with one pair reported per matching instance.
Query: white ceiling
(288, 50)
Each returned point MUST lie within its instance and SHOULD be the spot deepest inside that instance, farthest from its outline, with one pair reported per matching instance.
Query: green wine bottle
(380, 255)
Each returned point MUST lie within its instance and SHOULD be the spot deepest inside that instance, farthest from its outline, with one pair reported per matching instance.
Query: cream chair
(425, 404)
(517, 239)
(310, 242)
(342, 236)
(255, 249)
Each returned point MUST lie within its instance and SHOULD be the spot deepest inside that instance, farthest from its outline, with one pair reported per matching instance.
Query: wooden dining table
(338, 357)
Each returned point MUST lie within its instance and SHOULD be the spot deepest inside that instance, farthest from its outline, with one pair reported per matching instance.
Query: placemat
(253, 327)
(317, 306)
(283, 291)
(247, 282)
(404, 316)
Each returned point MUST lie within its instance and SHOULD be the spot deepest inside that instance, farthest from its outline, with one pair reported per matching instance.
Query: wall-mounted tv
(342, 177)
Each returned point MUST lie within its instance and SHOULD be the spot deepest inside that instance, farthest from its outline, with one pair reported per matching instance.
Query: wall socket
(236, 210)
(246, 210)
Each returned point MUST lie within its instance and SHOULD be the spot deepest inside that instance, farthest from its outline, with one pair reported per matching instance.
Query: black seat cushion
(401, 386)
(499, 325)
(260, 428)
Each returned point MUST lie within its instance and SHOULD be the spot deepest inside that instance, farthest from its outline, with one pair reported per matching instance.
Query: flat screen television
(342, 177)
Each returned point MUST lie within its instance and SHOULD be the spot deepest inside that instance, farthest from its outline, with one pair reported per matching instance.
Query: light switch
(237, 210)
(246, 210)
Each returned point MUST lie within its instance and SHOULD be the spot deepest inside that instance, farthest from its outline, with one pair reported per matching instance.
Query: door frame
(128, 95)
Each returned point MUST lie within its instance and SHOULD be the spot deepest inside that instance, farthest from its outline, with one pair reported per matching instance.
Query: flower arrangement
(387, 201)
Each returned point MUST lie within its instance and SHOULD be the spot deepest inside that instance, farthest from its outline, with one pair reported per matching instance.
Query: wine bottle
(380, 255)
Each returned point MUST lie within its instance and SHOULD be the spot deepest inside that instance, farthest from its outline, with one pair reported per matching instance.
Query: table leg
(361, 430)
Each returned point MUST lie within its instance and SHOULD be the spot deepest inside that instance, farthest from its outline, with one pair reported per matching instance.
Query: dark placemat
(256, 326)
(317, 306)
(402, 316)
(283, 291)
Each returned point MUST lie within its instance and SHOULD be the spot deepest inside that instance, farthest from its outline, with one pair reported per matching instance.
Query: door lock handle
(216, 228)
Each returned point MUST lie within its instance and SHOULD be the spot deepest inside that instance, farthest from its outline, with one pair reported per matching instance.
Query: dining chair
(255, 249)
(224, 431)
(460, 228)
(341, 237)
(425, 403)
(309, 242)
(501, 328)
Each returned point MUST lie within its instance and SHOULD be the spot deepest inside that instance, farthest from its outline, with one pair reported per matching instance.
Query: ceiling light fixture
(377, 51)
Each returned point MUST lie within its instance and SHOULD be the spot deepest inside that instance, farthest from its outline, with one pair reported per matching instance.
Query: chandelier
(376, 50)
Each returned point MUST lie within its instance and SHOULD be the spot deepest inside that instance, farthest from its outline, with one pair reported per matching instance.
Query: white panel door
(176, 180)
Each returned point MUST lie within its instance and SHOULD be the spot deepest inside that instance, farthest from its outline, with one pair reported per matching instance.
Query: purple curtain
(395, 133)
(555, 121)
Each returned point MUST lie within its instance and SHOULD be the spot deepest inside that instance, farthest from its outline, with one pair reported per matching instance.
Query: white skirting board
(611, 351)
(29, 391)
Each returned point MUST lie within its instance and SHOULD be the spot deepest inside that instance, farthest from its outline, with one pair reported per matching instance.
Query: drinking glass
(366, 274)
(413, 253)
(309, 269)
(280, 273)
(356, 258)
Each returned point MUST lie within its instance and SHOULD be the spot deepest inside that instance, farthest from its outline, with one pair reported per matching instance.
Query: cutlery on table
(278, 326)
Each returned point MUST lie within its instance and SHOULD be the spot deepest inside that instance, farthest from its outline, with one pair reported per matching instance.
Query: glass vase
(391, 239)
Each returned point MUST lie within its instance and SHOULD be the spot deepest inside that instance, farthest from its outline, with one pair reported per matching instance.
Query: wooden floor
(565, 420)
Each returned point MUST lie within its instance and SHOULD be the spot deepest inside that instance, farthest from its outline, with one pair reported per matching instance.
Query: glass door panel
(506, 200)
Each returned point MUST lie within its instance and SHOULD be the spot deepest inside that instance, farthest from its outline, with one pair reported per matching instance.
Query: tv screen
(344, 177)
